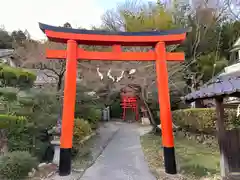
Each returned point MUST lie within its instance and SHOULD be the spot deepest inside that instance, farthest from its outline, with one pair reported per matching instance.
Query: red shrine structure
(156, 39)
(129, 103)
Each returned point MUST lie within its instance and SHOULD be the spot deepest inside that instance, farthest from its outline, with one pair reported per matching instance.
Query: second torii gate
(157, 39)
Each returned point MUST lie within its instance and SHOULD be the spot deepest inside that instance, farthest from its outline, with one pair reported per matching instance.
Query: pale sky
(25, 14)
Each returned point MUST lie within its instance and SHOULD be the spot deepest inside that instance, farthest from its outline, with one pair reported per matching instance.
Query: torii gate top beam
(92, 37)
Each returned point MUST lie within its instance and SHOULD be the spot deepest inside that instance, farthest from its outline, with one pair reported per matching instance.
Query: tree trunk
(3, 142)
(59, 84)
(144, 100)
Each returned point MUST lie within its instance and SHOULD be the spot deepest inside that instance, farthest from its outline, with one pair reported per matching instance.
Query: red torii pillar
(73, 37)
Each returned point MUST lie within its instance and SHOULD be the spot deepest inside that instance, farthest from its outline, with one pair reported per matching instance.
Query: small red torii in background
(156, 39)
(129, 103)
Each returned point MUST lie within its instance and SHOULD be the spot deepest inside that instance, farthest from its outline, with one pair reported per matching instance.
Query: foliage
(19, 37)
(229, 35)
(116, 109)
(19, 138)
(5, 39)
(30, 53)
(90, 113)
(211, 37)
(40, 109)
(94, 117)
(16, 77)
(202, 48)
(202, 119)
(88, 107)
(147, 17)
(133, 16)
(43, 105)
(9, 93)
(16, 165)
(7, 121)
(81, 129)
(209, 65)
(176, 103)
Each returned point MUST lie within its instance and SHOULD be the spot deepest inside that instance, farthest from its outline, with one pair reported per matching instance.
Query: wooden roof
(221, 86)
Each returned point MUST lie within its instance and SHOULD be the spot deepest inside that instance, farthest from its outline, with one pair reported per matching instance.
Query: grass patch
(194, 160)
(84, 156)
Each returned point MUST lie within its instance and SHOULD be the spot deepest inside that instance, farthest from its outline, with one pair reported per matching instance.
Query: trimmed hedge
(6, 120)
(35, 111)
(10, 76)
(203, 119)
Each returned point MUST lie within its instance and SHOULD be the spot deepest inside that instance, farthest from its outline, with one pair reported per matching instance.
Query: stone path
(122, 159)
(104, 135)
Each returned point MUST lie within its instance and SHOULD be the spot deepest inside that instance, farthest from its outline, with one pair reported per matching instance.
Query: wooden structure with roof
(229, 140)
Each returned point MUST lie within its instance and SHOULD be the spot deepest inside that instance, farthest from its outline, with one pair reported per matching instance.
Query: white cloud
(26, 14)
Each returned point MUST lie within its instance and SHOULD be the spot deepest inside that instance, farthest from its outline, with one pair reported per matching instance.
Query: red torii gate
(74, 37)
(129, 103)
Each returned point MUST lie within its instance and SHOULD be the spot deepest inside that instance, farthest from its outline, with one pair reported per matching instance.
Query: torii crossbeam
(157, 39)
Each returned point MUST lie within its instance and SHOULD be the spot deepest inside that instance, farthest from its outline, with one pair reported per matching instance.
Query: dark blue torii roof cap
(44, 27)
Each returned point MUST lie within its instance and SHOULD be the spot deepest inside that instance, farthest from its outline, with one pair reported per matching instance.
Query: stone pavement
(122, 159)
(104, 135)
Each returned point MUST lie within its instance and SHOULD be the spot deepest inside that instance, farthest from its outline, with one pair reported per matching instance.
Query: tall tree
(32, 55)
(19, 37)
(135, 16)
(5, 39)
(204, 41)
(229, 35)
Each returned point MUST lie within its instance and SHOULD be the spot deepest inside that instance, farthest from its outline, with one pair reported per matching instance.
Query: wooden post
(220, 134)
(68, 109)
(165, 109)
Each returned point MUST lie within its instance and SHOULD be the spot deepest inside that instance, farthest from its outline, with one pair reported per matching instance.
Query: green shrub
(10, 93)
(11, 76)
(6, 121)
(203, 119)
(15, 127)
(16, 165)
(94, 117)
(82, 129)
(90, 113)
(20, 138)
(41, 109)
(116, 109)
